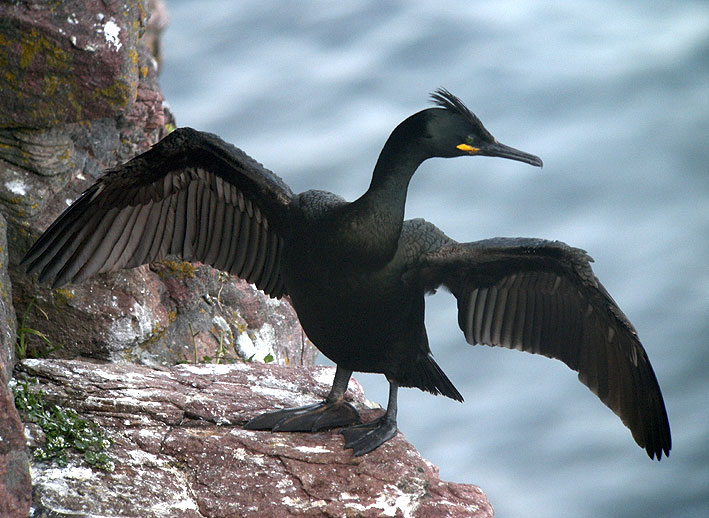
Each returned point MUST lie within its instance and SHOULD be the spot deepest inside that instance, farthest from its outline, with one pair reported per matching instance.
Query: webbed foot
(310, 418)
(364, 438)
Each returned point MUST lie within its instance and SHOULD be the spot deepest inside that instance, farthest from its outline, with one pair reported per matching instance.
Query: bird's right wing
(191, 195)
(542, 297)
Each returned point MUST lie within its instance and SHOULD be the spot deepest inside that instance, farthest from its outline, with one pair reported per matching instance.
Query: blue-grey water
(613, 95)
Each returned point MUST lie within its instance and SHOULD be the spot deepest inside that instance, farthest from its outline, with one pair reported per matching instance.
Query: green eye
(469, 139)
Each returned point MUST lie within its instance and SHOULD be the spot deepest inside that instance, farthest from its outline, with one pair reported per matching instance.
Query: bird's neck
(400, 157)
(390, 181)
(380, 210)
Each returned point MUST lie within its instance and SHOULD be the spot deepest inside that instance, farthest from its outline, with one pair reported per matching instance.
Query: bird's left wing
(191, 195)
(542, 297)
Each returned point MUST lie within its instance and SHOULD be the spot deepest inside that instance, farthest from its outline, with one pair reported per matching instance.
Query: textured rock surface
(15, 485)
(45, 165)
(68, 61)
(180, 450)
(7, 311)
(157, 23)
(164, 315)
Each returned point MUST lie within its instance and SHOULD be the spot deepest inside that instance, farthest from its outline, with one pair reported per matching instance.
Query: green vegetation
(23, 332)
(223, 354)
(63, 429)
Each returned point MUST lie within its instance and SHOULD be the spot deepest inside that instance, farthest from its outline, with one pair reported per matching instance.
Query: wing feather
(218, 231)
(193, 196)
(98, 246)
(252, 248)
(242, 243)
(542, 297)
(87, 239)
(260, 256)
(128, 241)
(225, 244)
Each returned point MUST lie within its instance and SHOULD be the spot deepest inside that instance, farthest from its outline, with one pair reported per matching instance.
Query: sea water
(613, 95)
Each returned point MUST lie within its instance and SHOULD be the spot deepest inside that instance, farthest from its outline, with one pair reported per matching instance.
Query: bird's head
(452, 130)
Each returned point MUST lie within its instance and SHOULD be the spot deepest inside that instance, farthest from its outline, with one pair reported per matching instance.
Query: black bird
(356, 273)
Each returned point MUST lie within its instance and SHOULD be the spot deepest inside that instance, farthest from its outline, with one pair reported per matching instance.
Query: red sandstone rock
(68, 61)
(159, 316)
(181, 452)
(15, 484)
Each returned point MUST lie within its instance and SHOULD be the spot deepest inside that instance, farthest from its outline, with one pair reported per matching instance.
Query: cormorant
(356, 273)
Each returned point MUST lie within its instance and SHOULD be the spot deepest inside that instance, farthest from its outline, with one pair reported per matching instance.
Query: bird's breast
(343, 309)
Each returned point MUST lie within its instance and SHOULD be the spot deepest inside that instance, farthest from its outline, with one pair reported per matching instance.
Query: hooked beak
(502, 151)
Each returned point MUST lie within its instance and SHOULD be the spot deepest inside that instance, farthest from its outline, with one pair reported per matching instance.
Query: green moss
(63, 430)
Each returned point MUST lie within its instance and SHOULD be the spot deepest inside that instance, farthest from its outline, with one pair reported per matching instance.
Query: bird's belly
(352, 319)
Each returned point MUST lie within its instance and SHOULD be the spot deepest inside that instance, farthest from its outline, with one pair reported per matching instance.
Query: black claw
(310, 418)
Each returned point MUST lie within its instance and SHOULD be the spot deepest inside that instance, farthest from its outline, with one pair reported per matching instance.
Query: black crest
(443, 98)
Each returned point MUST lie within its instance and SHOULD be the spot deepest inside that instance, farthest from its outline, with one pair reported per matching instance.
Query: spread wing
(191, 195)
(542, 297)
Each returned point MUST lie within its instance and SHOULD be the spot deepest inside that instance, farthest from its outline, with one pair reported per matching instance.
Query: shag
(356, 272)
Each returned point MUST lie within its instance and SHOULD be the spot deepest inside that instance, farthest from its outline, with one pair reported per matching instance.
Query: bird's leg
(331, 413)
(363, 438)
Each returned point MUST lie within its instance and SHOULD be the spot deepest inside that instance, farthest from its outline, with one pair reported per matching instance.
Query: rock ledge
(180, 451)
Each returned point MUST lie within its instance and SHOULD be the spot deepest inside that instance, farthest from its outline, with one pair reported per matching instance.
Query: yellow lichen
(117, 91)
(34, 43)
(51, 83)
(240, 327)
(134, 56)
(29, 50)
(180, 269)
(62, 296)
(156, 333)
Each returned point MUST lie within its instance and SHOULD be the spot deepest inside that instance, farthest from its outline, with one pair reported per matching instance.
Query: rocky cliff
(148, 374)
(178, 449)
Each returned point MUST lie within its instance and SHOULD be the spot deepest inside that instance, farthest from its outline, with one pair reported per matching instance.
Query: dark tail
(427, 375)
